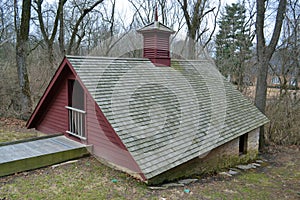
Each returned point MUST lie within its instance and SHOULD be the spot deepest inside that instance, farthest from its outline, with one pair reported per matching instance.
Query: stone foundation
(253, 140)
(224, 156)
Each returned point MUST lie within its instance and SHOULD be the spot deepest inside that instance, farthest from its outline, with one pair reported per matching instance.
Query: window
(275, 80)
(293, 82)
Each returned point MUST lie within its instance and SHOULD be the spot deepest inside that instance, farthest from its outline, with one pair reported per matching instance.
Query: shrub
(284, 126)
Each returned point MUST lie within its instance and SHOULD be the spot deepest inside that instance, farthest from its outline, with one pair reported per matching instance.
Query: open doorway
(75, 95)
(243, 141)
(76, 109)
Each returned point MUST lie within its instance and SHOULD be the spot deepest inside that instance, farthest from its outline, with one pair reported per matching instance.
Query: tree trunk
(191, 48)
(261, 94)
(25, 94)
(264, 54)
(261, 85)
(194, 13)
(61, 38)
(51, 56)
(297, 80)
(22, 32)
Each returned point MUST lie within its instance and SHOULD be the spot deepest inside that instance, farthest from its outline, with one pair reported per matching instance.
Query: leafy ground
(13, 129)
(89, 179)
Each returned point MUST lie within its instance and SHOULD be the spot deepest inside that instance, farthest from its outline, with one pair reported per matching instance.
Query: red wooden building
(148, 116)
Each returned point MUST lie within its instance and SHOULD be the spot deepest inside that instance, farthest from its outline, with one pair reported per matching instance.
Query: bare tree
(6, 22)
(68, 43)
(144, 11)
(264, 53)
(84, 9)
(281, 68)
(195, 14)
(285, 61)
(169, 12)
(292, 37)
(7, 32)
(109, 19)
(61, 37)
(49, 36)
(22, 32)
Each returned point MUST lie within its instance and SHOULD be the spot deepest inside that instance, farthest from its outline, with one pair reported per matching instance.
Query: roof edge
(106, 58)
(62, 65)
(156, 26)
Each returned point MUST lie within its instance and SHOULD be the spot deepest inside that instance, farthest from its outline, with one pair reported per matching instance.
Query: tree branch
(74, 33)
(278, 25)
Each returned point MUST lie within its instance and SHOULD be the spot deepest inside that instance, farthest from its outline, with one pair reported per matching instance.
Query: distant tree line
(241, 37)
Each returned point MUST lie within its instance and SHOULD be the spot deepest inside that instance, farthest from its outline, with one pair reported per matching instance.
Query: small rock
(187, 181)
(230, 191)
(232, 172)
(225, 174)
(157, 188)
(64, 163)
(253, 166)
(167, 185)
(133, 191)
(25, 173)
(243, 167)
(256, 164)
(259, 161)
(246, 167)
(235, 169)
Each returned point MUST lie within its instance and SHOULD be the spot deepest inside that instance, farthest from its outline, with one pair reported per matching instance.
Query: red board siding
(106, 143)
(51, 116)
(55, 119)
(156, 48)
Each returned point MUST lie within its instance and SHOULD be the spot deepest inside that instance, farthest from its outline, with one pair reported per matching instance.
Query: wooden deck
(38, 153)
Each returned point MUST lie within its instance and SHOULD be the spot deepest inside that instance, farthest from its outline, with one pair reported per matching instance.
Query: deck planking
(38, 153)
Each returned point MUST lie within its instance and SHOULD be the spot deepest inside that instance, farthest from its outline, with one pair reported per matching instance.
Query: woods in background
(254, 43)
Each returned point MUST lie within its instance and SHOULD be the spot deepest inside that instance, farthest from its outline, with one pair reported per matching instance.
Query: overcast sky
(126, 10)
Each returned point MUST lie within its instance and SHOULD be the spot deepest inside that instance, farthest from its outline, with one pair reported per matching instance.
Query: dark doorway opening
(243, 144)
(76, 95)
(76, 110)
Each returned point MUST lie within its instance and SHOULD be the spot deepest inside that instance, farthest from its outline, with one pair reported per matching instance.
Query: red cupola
(156, 42)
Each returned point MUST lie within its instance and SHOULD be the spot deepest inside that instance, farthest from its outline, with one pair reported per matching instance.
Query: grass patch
(256, 179)
(86, 179)
(238, 188)
(89, 179)
(12, 129)
(9, 136)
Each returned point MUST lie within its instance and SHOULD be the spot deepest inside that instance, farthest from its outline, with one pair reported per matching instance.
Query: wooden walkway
(38, 153)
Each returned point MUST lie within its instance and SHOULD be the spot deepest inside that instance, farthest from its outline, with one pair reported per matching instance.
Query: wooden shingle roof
(166, 116)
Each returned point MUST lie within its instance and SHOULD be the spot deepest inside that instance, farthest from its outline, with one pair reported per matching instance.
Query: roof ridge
(105, 58)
